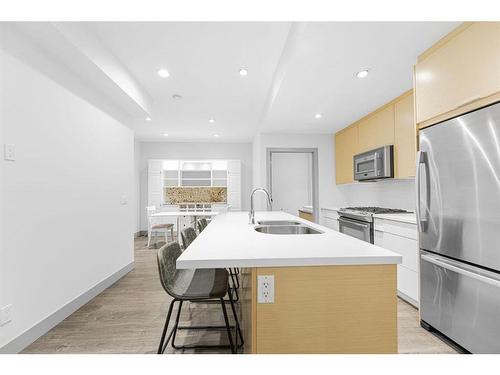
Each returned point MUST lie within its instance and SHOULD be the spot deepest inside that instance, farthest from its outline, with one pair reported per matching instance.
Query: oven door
(354, 228)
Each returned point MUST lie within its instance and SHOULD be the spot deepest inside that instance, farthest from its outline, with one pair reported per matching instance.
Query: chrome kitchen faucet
(251, 214)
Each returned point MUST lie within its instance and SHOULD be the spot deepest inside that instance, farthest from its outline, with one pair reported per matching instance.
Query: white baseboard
(408, 299)
(45, 325)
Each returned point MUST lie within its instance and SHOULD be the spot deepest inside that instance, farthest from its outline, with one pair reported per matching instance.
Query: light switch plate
(9, 152)
(123, 199)
(265, 289)
(5, 316)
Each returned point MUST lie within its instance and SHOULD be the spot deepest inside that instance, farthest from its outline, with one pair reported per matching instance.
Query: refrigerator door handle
(450, 265)
(421, 159)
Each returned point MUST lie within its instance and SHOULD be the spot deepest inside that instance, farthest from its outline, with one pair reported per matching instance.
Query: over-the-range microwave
(374, 164)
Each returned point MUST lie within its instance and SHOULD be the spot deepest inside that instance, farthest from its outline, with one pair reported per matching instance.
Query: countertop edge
(400, 219)
(291, 262)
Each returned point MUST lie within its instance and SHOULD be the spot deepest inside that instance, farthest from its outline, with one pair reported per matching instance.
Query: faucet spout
(251, 214)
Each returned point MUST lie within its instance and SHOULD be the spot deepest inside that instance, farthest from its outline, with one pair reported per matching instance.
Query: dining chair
(158, 225)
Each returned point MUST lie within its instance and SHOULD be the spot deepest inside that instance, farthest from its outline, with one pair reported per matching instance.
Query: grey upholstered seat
(188, 235)
(191, 283)
(202, 224)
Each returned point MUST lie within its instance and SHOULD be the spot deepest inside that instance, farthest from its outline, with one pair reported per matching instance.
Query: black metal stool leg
(195, 346)
(235, 273)
(237, 322)
(223, 304)
(233, 288)
(176, 325)
(161, 348)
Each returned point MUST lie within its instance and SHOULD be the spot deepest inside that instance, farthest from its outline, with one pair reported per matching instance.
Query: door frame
(315, 183)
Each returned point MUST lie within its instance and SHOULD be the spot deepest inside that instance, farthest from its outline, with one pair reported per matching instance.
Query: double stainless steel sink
(284, 227)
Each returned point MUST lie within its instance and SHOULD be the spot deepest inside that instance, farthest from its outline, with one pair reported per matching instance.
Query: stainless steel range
(358, 221)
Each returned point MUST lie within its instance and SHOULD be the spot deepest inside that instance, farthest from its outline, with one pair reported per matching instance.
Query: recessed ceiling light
(165, 134)
(216, 135)
(318, 115)
(176, 97)
(211, 121)
(163, 73)
(243, 72)
(362, 73)
(148, 118)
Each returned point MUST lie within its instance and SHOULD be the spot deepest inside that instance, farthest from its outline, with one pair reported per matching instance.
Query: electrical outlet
(265, 289)
(5, 316)
(9, 152)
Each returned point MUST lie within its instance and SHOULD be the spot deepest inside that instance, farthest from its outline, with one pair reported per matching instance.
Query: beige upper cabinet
(377, 129)
(460, 70)
(392, 124)
(346, 146)
(405, 147)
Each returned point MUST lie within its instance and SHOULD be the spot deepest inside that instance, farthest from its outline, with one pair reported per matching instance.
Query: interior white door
(291, 181)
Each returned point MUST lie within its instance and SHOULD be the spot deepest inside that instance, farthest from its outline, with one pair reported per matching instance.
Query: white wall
(329, 194)
(64, 229)
(391, 193)
(195, 150)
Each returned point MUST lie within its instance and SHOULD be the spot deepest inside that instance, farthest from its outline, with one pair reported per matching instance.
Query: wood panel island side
(332, 293)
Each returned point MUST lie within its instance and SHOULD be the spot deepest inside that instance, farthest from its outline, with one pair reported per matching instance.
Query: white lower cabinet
(331, 223)
(402, 241)
(329, 219)
(408, 284)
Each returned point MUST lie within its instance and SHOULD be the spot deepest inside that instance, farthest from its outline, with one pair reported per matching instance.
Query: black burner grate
(377, 210)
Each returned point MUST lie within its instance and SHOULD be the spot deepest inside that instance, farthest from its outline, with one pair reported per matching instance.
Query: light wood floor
(128, 318)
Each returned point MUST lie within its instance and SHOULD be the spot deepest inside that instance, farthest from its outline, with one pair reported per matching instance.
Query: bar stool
(193, 285)
(188, 235)
(202, 224)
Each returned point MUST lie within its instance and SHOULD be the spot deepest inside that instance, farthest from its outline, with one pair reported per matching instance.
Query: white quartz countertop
(330, 208)
(405, 218)
(230, 241)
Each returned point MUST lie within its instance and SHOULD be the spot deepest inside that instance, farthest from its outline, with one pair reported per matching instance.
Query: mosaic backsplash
(178, 195)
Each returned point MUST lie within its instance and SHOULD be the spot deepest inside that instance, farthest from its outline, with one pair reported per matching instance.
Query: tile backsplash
(177, 195)
(389, 193)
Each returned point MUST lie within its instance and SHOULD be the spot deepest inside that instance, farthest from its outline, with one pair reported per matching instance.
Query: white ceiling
(295, 70)
(204, 61)
(320, 76)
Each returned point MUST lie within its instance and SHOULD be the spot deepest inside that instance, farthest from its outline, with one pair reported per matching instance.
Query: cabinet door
(234, 166)
(408, 283)
(460, 71)
(405, 144)
(155, 183)
(346, 146)
(376, 130)
(331, 223)
(407, 271)
(234, 191)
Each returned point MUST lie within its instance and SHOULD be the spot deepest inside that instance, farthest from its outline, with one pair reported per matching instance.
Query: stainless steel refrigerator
(458, 214)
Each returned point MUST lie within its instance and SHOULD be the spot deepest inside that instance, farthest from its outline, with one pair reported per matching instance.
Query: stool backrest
(188, 235)
(202, 224)
(167, 256)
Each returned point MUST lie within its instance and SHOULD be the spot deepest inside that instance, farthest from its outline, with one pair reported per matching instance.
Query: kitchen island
(332, 293)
